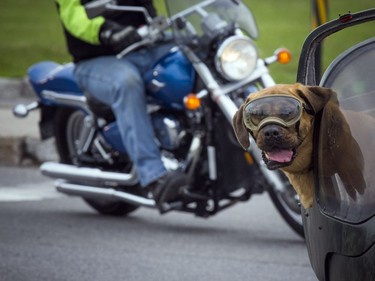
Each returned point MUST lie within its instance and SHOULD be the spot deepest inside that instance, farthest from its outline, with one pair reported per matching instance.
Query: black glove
(117, 36)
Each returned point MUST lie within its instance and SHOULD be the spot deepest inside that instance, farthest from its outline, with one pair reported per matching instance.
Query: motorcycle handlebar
(97, 8)
(149, 33)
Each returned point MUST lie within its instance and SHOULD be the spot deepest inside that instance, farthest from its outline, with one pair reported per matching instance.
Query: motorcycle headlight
(236, 58)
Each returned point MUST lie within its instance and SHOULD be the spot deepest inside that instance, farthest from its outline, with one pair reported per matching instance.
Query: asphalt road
(48, 236)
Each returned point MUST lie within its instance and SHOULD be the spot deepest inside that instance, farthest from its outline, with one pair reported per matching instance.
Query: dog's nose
(271, 131)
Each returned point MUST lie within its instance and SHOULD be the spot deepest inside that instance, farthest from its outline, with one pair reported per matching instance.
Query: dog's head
(280, 119)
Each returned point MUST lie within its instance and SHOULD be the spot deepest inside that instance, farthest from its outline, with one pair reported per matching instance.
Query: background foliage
(30, 32)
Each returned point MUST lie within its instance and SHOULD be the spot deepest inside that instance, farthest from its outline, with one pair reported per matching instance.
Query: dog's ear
(316, 97)
(239, 128)
(342, 153)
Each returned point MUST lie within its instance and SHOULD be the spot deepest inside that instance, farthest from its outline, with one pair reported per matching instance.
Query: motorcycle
(215, 58)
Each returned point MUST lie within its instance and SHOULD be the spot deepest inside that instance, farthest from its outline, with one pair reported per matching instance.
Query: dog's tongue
(281, 156)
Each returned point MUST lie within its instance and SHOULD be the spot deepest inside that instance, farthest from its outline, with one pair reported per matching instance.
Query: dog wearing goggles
(281, 121)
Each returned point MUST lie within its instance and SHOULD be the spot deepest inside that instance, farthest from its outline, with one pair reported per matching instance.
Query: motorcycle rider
(93, 44)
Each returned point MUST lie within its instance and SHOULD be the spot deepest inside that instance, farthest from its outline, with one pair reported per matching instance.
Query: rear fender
(51, 76)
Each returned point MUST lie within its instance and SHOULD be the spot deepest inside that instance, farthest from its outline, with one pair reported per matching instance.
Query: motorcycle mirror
(97, 8)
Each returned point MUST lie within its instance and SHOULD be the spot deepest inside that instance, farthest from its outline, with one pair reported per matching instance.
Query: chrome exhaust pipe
(93, 176)
(102, 193)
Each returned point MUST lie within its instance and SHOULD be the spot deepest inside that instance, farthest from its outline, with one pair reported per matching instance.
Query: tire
(287, 204)
(68, 124)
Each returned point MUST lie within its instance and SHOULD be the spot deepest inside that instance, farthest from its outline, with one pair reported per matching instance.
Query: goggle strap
(297, 126)
(308, 109)
(251, 133)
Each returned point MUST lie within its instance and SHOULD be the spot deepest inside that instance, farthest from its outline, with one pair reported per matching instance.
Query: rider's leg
(118, 83)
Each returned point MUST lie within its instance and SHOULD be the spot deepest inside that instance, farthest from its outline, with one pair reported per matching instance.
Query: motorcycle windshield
(346, 147)
(194, 19)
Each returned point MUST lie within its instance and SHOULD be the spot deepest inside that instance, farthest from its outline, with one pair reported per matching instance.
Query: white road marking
(29, 192)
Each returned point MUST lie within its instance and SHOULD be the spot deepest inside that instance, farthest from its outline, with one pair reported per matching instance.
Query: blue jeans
(119, 83)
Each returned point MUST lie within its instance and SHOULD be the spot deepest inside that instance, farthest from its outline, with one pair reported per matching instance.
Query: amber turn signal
(192, 102)
(249, 158)
(283, 55)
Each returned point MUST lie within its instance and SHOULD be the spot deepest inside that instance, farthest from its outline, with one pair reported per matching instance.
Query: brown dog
(281, 120)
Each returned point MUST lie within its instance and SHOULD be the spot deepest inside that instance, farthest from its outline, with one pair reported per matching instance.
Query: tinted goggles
(280, 109)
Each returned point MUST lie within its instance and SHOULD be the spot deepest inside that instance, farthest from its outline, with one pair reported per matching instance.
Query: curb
(20, 144)
(14, 89)
(26, 151)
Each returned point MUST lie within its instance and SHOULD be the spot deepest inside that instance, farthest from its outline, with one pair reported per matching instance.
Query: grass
(32, 32)
(29, 32)
(288, 23)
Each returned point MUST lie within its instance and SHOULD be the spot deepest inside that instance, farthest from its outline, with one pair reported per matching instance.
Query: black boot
(168, 189)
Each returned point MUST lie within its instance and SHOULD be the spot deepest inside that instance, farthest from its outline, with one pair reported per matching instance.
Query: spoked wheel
(287, 204)
(69, 124)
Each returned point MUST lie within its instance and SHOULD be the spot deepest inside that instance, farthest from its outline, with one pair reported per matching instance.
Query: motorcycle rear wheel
(68, 125)
(287, 204)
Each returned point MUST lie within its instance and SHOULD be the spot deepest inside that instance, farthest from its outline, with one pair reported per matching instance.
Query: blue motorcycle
(193, 93)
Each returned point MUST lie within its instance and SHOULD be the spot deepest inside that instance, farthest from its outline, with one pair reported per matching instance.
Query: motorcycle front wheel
(68, 126)
(288, 206)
